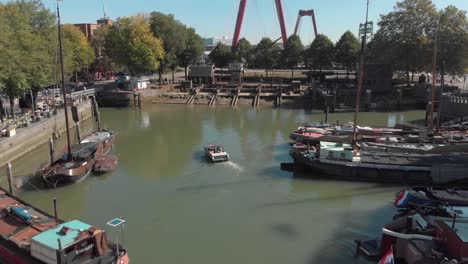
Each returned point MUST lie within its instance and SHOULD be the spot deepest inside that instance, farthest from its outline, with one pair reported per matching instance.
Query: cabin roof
(50, 237)
(96, 136)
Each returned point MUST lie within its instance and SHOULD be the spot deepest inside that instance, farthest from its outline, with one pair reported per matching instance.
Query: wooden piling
(10, 179)
(98, 118)
(55, 211)
(139, 100)
(51, 150)
(78, 135)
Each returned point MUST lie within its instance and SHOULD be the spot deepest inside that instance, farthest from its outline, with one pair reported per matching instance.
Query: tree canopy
(27, 41)
(131, 44)
(347, 50)
(192, 51)
(243, 51)
(78, 51)
(221, 55)
(320, 53)
(292, 52)
(267, 54)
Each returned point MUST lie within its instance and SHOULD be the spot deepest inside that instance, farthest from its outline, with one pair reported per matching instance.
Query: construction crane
(303, 13)
(240, 20)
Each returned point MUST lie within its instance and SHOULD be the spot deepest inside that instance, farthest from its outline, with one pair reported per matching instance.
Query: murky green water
(181, 209)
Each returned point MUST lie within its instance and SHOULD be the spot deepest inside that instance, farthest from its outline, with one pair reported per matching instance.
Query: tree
(452, 42)
(347, 51)
(28, 44)
(292, 53)
(243, 51)
(405, 35)
(267, 54)
(221, 55)
(174, 36)
(320, 53)
(192, 51)
(77, 49)
(102, 63)
(131, 44)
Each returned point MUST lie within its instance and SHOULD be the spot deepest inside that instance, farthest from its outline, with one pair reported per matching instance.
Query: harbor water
(179, 208)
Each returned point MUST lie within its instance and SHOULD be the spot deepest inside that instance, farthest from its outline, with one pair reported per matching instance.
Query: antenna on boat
(115, 223)
(361, 76)
(63, 81)
(454, 220)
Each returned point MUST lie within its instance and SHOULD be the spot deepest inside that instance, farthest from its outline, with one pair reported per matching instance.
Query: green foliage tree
(221, 55)
(174, 36)
(78, 51)
(130, 43)
(320, 53)
(102, 63)
(292, 53)
(192, 51)
(452, 41)
(28, 45)
(267, 54)
(347, 51)
(405, 34)
(243, 51)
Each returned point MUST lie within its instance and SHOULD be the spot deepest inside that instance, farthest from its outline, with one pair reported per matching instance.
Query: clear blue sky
(217, 17)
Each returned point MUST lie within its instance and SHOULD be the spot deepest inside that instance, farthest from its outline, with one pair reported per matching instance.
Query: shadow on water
(284, 230)
(341, 247)
(275, 172)
(216, 185)
(362, 191)
(199, 156)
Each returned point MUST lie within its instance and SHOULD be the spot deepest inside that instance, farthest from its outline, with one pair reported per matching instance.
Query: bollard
(78, 135)
(51, 150)
(10, 179)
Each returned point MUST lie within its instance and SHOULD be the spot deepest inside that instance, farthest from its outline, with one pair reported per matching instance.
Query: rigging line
(229, 19)
(263, 31)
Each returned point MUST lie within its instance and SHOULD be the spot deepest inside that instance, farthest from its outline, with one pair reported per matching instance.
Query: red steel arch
(240, 20)
(303, 13)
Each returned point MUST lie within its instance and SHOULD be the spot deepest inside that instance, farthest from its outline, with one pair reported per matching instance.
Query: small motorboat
(431, 197)
(216, 153)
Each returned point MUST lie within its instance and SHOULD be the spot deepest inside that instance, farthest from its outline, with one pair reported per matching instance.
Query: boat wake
(234, 166)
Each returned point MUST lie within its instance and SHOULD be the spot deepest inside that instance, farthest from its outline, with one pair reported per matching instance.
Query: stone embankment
(33, 136)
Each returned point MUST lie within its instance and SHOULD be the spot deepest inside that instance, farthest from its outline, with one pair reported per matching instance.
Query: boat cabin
(70, 242)
(337, 151)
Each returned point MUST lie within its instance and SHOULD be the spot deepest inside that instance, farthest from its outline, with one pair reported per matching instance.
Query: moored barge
(30, 235)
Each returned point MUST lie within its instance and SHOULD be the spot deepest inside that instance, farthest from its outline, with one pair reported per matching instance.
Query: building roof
(50, 237)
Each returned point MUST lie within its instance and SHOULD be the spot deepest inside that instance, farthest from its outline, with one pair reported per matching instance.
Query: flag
(387, 258)
(402, 198)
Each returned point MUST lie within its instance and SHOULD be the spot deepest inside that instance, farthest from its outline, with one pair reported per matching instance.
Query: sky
(216, 18)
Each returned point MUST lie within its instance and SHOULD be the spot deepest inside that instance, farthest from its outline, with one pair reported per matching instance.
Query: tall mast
(361, 77)
(430, 121)
(63, 83)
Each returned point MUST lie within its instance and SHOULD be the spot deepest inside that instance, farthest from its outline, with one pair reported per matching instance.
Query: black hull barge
(338, 161)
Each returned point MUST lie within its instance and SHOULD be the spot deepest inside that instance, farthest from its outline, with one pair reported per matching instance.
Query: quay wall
(37, 134)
